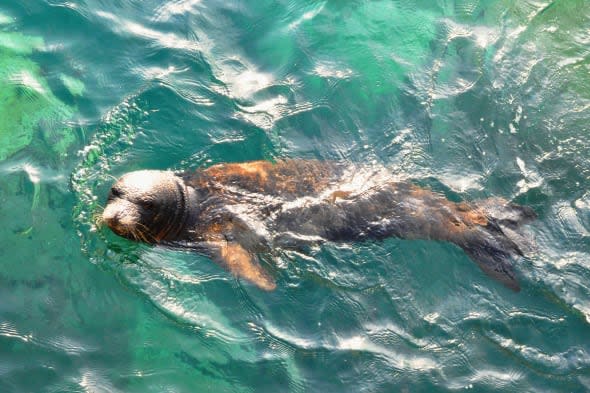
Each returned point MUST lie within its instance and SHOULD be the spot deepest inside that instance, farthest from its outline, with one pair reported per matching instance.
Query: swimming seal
(232, 212)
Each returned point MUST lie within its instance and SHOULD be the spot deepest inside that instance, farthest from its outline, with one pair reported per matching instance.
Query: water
(472, 98)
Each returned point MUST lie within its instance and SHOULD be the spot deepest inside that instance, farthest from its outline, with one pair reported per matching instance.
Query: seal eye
(149, 205)
(116, 192)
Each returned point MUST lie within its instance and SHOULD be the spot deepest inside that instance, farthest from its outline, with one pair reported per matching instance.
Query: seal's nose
(109, 220)
(111, 216)
(121, 216)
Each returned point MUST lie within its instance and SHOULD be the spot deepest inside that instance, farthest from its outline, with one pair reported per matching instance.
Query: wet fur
(234, 211)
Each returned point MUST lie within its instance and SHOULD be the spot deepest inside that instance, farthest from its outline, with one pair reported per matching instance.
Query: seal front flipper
(235, 258)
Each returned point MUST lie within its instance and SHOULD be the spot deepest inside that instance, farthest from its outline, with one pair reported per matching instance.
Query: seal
(234, 212)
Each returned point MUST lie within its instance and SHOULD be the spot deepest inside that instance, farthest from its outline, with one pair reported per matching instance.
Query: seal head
(148, 206)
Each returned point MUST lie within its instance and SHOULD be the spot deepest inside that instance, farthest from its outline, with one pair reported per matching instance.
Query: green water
(473, 98)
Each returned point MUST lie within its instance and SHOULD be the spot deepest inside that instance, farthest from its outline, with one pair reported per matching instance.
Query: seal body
(232, 212)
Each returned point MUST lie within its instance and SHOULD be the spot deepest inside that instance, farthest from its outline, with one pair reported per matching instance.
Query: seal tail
(506, 214)
(494, 246)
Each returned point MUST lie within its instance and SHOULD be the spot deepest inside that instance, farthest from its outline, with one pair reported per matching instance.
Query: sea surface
(474, 99)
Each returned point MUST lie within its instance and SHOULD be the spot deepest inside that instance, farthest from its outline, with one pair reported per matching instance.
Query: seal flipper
(235, 258)
(493, 251)
(507, 214)
(494, 263)
(494, 245)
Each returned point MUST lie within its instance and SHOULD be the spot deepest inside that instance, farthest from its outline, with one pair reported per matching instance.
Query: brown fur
(234, 211)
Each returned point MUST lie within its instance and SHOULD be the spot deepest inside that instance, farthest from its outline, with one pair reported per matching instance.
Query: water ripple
(173, 8)
(59, 344)
(575, 359)
(134, 29)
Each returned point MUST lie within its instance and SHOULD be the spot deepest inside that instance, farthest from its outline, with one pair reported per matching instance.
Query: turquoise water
(472, 98)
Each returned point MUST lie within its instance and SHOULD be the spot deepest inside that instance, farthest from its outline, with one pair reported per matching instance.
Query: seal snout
(121, 217)
(112, 216)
